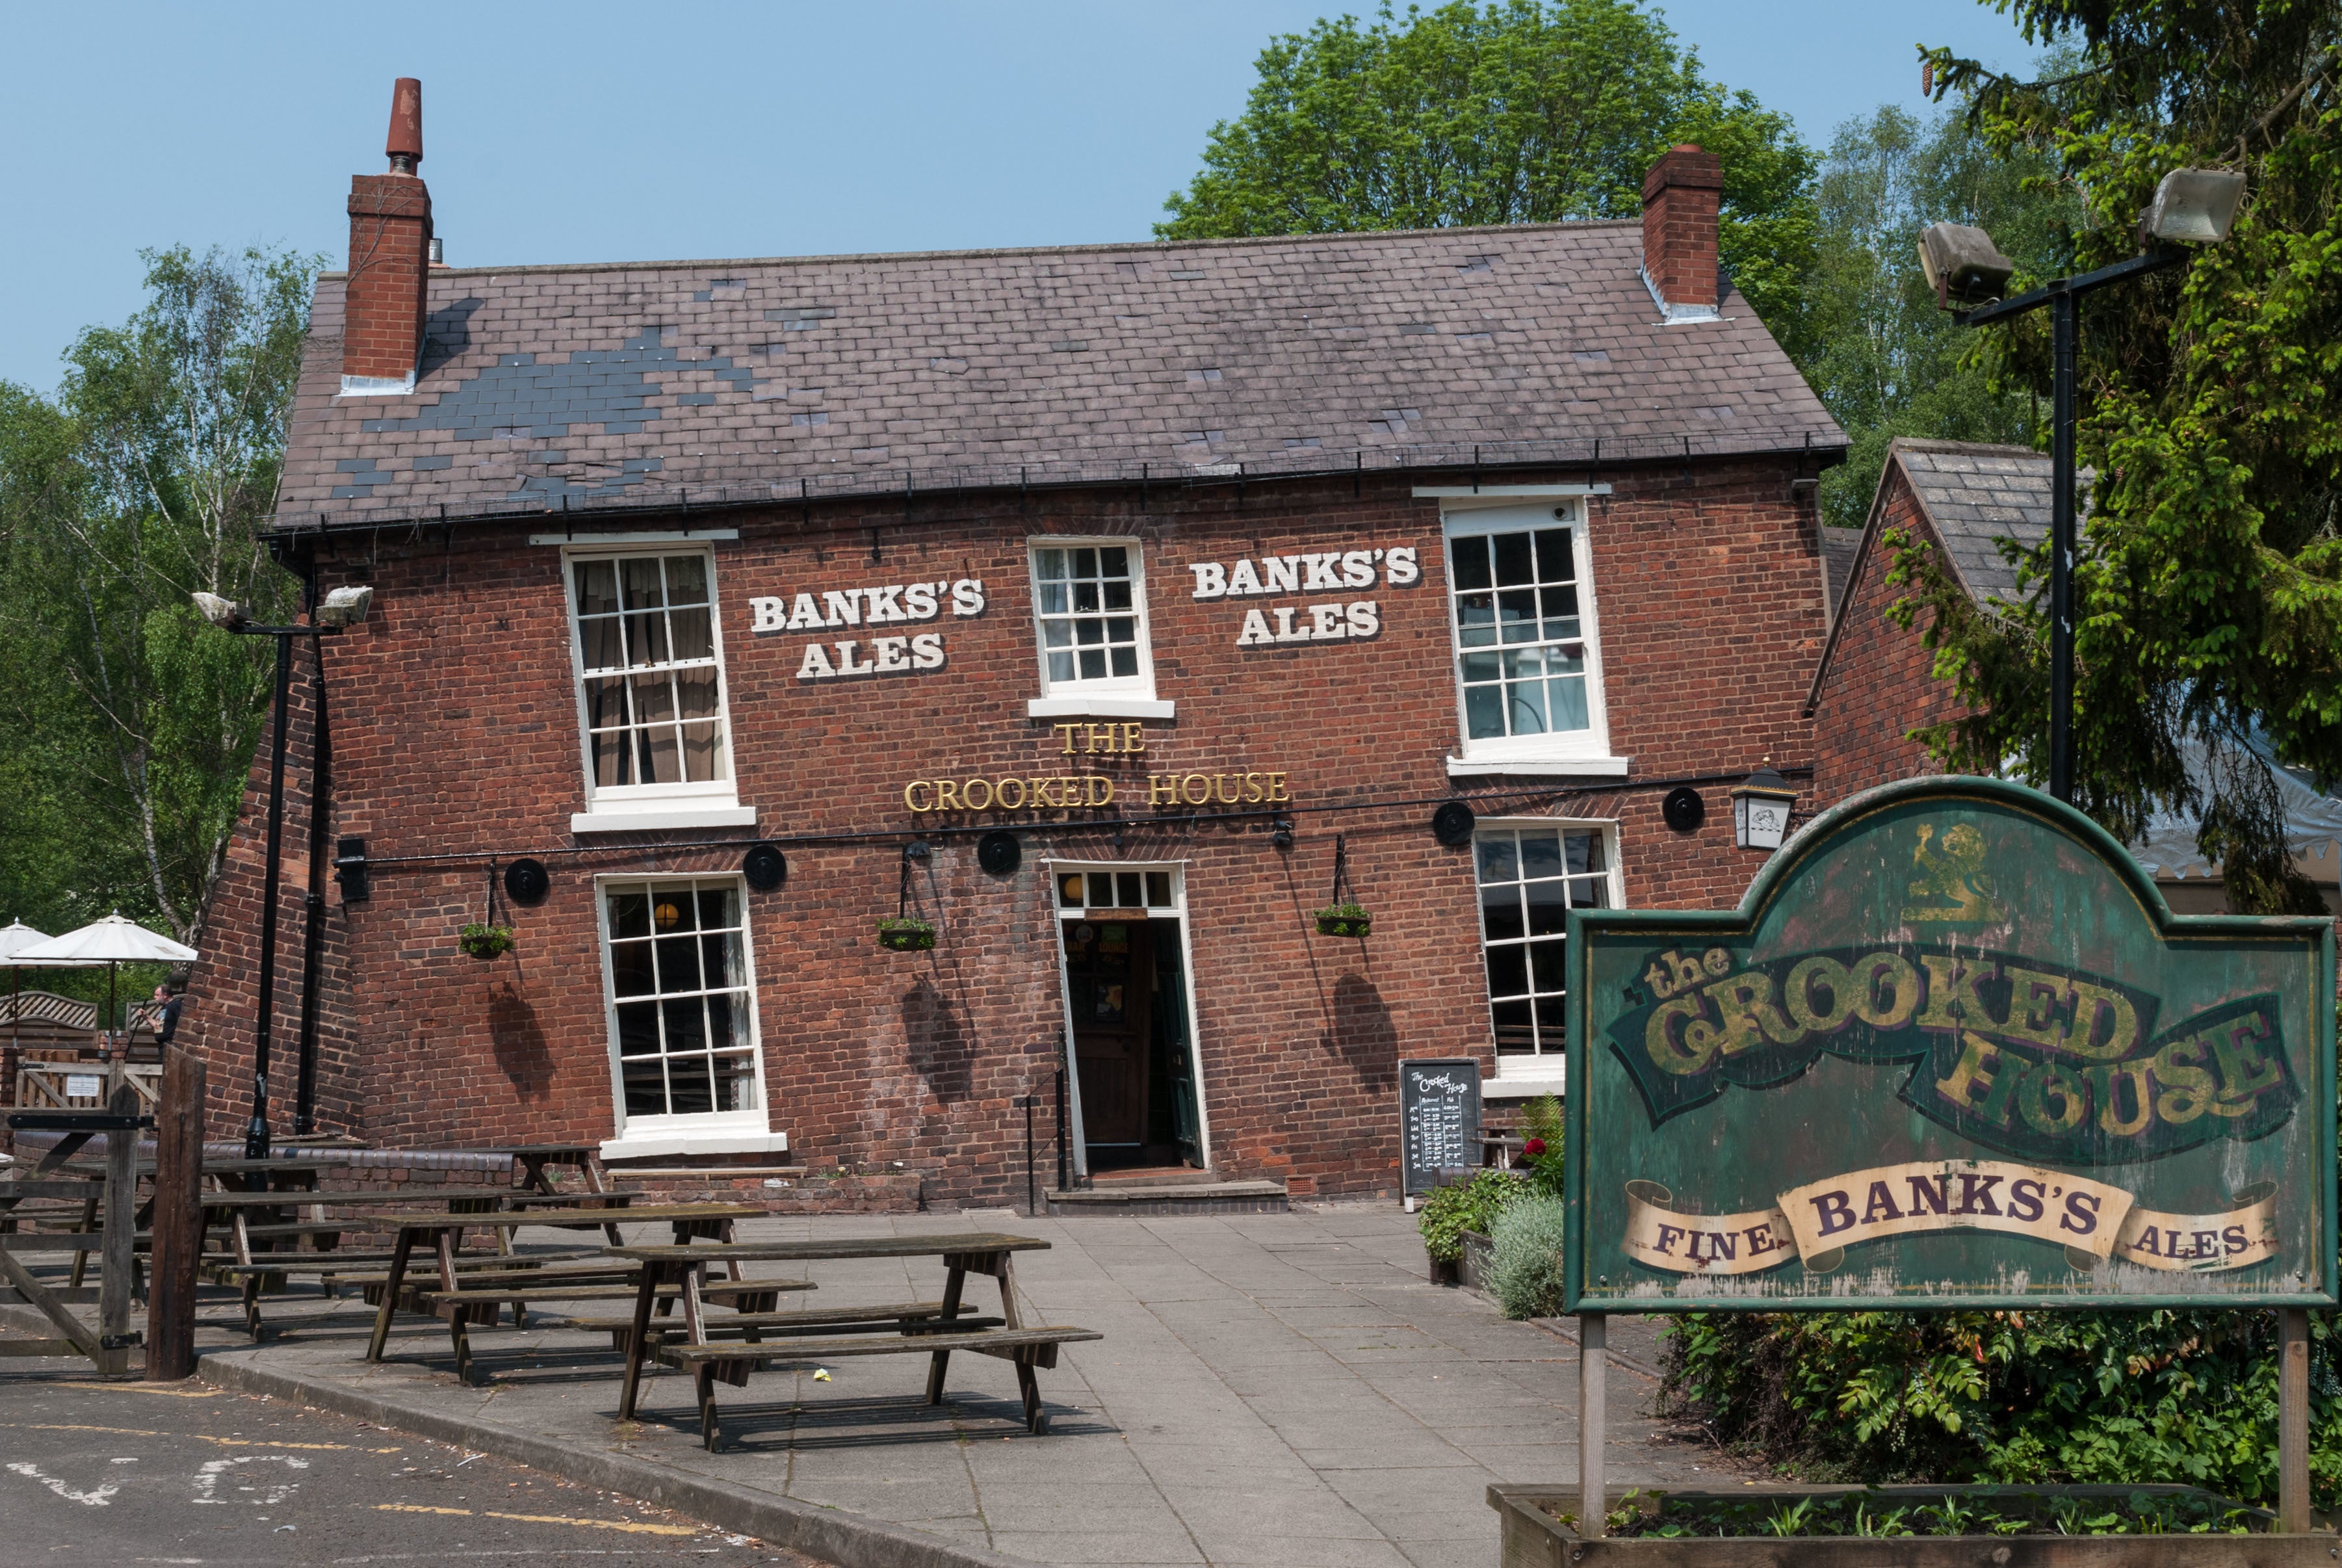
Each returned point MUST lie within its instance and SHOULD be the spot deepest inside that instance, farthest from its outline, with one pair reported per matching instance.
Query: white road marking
(208, 1477)
(96, 1497)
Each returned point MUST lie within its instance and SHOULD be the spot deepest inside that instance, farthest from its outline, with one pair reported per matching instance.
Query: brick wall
(456, 734)
(1881, 683)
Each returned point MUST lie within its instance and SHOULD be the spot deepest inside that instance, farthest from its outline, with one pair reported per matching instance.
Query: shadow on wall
(939, 1048)
(519, 1043)
(1363, 1034)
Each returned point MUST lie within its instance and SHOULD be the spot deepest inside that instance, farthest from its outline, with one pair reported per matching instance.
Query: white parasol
(110, 941)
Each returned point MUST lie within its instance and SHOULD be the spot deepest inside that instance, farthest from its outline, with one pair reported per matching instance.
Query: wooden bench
(1027, 1347)
(747, 1295)
(906, 1317)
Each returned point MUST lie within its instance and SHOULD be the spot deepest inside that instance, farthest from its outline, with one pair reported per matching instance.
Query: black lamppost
(1968, 272)
(343, 606)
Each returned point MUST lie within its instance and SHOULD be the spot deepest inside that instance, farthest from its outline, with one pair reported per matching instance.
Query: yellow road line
(145, 1388)
(194, 1436)
(628, 1527)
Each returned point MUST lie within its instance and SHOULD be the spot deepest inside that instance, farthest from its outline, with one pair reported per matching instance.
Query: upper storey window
(1089, 612)
(650, 677)
(1527, 662)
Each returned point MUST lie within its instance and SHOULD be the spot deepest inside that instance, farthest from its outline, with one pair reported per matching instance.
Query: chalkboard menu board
(1440, 1120)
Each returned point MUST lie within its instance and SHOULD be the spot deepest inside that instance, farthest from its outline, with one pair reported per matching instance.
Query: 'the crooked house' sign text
(1952, 1050)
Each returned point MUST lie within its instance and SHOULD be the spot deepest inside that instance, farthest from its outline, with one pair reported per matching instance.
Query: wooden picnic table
(917, 1328)
(532, 1158)
(442, 1233)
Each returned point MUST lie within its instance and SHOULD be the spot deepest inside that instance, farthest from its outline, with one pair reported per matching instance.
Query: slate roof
(1841, 548)
(1976, 496)
(643, 384)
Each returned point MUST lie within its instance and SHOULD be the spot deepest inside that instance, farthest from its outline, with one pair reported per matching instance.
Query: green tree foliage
(149, 476)
(1525, 111)
(2083, 1398)
(2210, 589)
(1883, 360)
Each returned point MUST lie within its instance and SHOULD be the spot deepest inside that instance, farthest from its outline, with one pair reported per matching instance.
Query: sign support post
(2293, 1421)
(1593, 1419)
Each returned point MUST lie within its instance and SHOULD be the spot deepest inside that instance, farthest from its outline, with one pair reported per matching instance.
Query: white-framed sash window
(679, 988)
(1527, 652)
(1532, 871)
(1089, 622)
(648, 652)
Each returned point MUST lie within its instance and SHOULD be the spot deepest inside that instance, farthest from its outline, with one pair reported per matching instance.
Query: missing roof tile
(1200, 438)
(809, 419)
(1476, 338)
(1400, 416)
(869, 454)
(1416, 329)
(801, 318)
(949, 366)
(1198, 377)
(1188, 276)
(1303, 441)
(1127, 268)
(1070, 345)
(1477, 264)
(1591, 356)
(723, 289)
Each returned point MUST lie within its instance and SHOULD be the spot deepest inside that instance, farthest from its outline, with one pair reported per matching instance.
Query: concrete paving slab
(1282, 1391)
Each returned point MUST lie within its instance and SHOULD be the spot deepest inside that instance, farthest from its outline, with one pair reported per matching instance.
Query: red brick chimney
(390, 247)
(1681, 195)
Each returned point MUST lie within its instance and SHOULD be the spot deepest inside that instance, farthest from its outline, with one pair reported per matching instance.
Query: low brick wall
(896, 1192)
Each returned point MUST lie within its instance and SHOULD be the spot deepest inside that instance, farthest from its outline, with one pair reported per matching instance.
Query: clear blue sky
(592, 131)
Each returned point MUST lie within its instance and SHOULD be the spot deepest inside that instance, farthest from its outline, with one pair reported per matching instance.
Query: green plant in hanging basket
(1345, 920)
(486, 942)
(904, 934)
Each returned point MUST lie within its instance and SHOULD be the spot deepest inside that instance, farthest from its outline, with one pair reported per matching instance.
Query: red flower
(1534, 1147)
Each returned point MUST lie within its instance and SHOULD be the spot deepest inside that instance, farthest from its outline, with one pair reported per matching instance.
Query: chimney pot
(405, 146)
(1682, 196)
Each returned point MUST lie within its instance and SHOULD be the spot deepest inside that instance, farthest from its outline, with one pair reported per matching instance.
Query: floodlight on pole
(2193, 205)
(224, 613)
(342, 608)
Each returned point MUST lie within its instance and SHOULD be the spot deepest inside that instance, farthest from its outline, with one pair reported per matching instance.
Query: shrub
(1448, 1211)
(2039, 1398)
(1527, 1271)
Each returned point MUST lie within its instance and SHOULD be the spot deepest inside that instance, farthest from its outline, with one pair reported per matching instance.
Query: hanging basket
(484, 941)
(904, 935)
(1343, 920)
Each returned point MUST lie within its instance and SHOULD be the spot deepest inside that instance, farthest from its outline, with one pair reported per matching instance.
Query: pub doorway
(1135, 1104)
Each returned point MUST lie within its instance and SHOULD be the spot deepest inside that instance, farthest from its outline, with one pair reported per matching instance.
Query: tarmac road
(125, 1473)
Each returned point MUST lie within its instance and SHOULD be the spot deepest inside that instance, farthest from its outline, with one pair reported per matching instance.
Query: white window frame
(700, 1133)
(1539, 1071)
(1575, 752)
(643, 808)
(1109, 697)
(1176, 909)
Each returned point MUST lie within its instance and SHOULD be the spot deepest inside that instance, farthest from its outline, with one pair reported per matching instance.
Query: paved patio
(1272, 1389)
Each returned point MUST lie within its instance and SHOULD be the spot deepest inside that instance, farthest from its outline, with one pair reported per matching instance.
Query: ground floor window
(1532, 874)
(683, 1017)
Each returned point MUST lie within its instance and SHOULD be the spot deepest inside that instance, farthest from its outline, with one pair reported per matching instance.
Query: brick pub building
(1191, 569)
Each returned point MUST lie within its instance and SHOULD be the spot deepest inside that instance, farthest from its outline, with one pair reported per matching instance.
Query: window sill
(1541, 767)
(658, 1145)
(1099, 708)
(607, 821)
(1525, 1082)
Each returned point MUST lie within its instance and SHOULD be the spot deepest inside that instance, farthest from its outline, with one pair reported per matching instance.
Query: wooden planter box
(1535, 1537)
(1478, 1261)
(1471, 1269)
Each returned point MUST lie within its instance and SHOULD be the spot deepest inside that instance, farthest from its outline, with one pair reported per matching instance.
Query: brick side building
(1876, 682)
(1090, 603)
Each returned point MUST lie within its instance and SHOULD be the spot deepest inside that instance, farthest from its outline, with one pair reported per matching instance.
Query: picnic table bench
(936, 1334)
(441, 1234)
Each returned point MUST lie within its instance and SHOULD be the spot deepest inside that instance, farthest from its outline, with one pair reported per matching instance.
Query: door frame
(1077, 1136)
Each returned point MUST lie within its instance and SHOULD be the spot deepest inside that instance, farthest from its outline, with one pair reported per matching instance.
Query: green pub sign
(1952, 1050)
